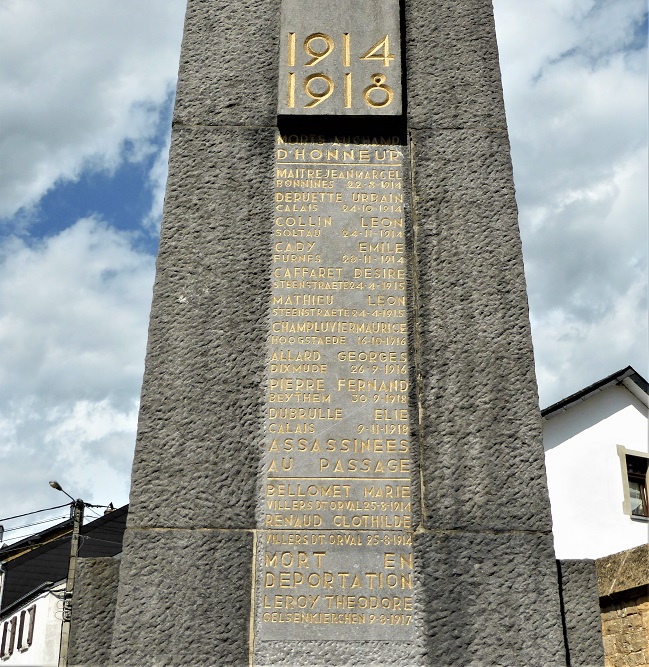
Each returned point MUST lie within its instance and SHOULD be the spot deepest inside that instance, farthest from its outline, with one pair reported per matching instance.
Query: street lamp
(76, 512)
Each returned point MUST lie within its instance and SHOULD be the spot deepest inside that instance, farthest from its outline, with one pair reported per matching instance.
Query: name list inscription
(335, 555)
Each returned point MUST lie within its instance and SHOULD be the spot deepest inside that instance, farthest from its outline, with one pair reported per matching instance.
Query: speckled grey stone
(200, 429)
(183, 599)
(229, 63)
(453, 77)
(490, 600)
(482, 454)
(582, 616)
(338, 654)
(93, 611)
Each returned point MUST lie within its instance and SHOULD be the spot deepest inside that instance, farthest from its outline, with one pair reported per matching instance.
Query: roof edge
(629, 377)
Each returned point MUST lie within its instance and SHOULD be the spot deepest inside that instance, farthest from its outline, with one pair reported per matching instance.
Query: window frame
(622, 453)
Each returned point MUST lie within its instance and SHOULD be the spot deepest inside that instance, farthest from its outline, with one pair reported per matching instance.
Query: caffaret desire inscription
(334, 558)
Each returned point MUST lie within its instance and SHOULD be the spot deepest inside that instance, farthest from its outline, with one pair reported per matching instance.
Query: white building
(597, 457)
(30, 634)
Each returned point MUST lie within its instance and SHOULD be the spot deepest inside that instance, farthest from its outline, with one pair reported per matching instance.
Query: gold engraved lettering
(378, 84)
(291, 50)
(291, 90)
(346, 50)
(317, 56)
(380, 51)
(318, 96)
(347, 90)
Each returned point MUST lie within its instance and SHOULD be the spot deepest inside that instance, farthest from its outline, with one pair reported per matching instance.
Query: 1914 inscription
(334, 558)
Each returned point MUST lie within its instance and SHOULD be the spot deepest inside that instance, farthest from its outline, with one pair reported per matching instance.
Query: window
(636, 468)
(26, 628)
(8, 638)
(635, 482)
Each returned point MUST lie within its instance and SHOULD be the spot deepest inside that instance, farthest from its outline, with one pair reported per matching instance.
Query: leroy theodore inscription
(335, 552)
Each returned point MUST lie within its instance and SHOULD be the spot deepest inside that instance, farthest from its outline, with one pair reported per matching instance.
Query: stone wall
(623, 581)
(582, 627)
(93, 611)
(625, 628)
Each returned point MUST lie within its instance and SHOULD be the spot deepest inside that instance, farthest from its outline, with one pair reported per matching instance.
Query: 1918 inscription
(334, 558)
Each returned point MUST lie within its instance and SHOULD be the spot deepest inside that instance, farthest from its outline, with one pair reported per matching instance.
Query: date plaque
(339, 57)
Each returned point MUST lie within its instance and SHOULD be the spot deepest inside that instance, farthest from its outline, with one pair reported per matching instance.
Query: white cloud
(73, 318)
(157, 183)
(574, 75)
(82, 84)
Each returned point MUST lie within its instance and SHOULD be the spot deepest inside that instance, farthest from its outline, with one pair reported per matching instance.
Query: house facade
(597, 462)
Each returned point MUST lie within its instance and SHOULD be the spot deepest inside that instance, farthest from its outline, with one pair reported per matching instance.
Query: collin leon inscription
(335, 555)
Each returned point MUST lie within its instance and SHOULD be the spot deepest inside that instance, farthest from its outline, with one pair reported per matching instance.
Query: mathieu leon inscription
(334, 556)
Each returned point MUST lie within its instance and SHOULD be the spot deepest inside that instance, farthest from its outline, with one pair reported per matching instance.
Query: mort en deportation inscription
(335, 556)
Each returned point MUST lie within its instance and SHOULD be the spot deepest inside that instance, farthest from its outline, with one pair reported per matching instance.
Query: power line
(36, 523)
(47, 509)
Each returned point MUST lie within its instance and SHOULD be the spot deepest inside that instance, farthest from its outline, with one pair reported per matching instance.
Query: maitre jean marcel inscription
(334, 558)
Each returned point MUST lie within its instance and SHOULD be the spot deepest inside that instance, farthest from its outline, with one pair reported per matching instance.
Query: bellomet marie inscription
(335, 552)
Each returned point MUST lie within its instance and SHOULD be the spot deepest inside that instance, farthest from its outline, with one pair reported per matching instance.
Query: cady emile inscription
(335, 552)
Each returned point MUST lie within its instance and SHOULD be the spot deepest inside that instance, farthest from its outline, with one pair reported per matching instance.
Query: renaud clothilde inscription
(339, 57)
(334, 556)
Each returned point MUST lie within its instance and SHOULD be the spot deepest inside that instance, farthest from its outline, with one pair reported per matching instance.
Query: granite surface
(182, 600)
(93, 611)
(453, 75)
(482, 453)
(582, 618)
(200, 429)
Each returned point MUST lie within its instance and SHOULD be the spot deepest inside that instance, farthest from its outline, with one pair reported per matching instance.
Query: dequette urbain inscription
(334, 557)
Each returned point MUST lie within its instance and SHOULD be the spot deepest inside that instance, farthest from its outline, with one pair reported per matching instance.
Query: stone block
(228, 69)
(201, 425)
(184, 598)
(583, 624)
(482, 454)
(490, 600)
(93, 611)
(623, 571)
(453, 78)
(338, 654)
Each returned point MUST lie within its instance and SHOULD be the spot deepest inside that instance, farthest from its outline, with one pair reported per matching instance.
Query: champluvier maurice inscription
(335, 553)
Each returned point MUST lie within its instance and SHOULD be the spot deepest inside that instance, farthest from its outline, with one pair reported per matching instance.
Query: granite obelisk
(339, 456)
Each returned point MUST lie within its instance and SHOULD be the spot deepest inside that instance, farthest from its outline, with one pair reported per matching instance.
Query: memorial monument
(339, 456)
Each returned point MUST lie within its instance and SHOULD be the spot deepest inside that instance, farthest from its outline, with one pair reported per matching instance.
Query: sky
(86, 91)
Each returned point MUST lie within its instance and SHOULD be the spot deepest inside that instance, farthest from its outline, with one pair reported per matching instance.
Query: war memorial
(339, 456)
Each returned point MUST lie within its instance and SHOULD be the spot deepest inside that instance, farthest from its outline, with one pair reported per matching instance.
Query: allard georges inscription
(334, 558)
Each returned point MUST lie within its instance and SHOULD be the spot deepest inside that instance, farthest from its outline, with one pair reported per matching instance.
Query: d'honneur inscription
(334, 557)
(340, 57)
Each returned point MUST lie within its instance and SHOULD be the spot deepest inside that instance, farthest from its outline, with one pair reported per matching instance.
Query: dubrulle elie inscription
(334, 555)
